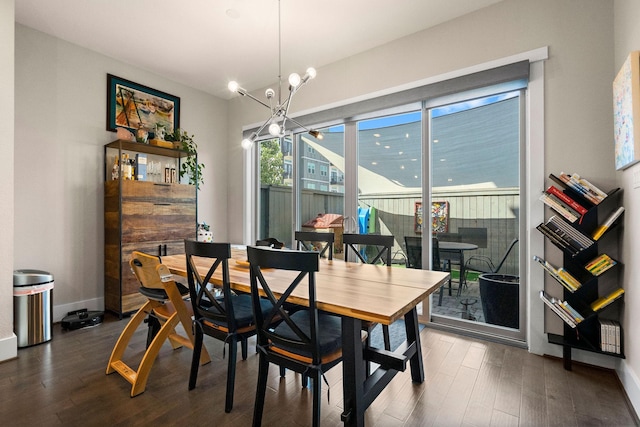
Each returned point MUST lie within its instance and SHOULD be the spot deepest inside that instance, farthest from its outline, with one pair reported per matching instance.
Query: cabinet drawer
(142, 190)
(149, 221)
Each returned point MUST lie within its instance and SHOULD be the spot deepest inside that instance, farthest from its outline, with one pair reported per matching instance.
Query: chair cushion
(242, 310)
(160, 294)
(329, 327)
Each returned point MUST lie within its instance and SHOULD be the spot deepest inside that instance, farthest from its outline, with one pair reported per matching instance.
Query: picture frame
(626, 112)
(439, 217)
(132, 106)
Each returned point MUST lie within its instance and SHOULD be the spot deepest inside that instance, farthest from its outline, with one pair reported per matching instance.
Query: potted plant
(190, 165)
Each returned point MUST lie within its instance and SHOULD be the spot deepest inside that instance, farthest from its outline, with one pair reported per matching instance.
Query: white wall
(8, 341)
(627, 39)
(60, 130)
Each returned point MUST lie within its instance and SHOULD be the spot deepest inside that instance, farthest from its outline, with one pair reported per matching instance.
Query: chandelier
(276, 123)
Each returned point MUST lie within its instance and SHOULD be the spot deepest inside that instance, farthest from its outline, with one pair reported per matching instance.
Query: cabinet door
(156, 218)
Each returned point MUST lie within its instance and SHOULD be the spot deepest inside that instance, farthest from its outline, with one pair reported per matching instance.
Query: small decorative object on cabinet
(151, 216)
(584, 230)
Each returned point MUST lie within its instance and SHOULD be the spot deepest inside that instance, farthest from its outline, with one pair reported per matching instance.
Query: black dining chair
(413, 246)
(381, 247)
(484, 264)
(315, 241)
(223, 315)
(271, 242)
(307, 341)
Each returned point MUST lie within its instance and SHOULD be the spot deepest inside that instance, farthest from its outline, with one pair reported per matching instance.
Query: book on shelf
(583, 187)
(568, 281)
(567, 200)
(604, 301)
(609, 336)
(560, 207)
(554, 305)
(571, 311)
(556, 239)
(569, 233)
(600, 264)
(607, 223)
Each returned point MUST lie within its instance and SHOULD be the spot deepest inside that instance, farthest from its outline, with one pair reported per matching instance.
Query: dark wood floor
(468, 382)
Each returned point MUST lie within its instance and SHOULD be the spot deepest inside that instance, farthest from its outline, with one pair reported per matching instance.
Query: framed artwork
(439, 217)
(626, 112)
(132, 105)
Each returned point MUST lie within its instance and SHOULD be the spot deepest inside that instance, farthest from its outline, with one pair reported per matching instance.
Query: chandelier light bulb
(274, 129)
(294, 79)
(269, 93)
(246, 143)
(311, 72)
(233, 86)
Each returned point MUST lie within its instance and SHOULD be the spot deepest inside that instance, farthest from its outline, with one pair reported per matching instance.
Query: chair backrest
(382, 244)
(506, 254)
(270, 242)
(144, 267)
(306, 264)
(413, 247)
(475, 235)
(449, 237)
(436, 263)
(203, 298)
(307, 240)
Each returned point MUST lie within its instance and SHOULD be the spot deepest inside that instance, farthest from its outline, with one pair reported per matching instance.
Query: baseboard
(631, 386)
(9, 347)
(60, 311)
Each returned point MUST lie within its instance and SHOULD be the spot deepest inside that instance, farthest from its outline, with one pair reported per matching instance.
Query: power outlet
(636, 178)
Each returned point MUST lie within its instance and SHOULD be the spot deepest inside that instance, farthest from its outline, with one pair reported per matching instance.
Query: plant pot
(500, 299)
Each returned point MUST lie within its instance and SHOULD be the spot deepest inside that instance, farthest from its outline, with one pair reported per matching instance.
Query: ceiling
(206, 43)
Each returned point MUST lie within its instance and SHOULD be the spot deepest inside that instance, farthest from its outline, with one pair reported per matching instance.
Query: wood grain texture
(63, 383)
(368, 292)
(144, 216)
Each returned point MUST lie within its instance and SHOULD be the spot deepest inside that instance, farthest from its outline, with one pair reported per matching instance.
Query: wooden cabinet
(591, 326)
(153, 217)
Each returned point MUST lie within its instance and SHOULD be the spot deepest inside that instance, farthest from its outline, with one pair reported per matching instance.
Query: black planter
(499, 294)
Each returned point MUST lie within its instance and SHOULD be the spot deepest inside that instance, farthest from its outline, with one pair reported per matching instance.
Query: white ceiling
(206, 43)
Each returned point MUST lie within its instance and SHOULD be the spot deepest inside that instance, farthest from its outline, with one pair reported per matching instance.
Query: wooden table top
(362, 291)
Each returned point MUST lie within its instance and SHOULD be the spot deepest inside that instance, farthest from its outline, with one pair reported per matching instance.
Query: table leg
(353, 373)
(413, 335)
(462, 279)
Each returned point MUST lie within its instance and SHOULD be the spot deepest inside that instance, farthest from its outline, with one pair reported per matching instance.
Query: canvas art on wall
(626, 112)
(131, 105)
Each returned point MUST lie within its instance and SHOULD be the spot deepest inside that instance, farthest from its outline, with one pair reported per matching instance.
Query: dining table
(454, 251)
(356, 292)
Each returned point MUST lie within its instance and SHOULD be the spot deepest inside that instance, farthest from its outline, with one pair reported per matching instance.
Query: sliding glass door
(475, 150)
(443, 174)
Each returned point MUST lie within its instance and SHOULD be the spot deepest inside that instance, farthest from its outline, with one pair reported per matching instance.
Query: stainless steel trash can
(32, 306)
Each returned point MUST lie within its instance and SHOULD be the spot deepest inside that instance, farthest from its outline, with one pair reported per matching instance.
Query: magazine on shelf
(560, 207)
(567, 281)
(583, 187)
(582, 240)
(557, 240)
(566, 199)
(553, 304)
(600, 264)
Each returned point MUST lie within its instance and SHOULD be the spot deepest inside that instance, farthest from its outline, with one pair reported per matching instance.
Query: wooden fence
(496, 210)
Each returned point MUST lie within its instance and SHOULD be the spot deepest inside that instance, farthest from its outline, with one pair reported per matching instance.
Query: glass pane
(389, 178)
(475, 163)
(320, 163)
(276, 183)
